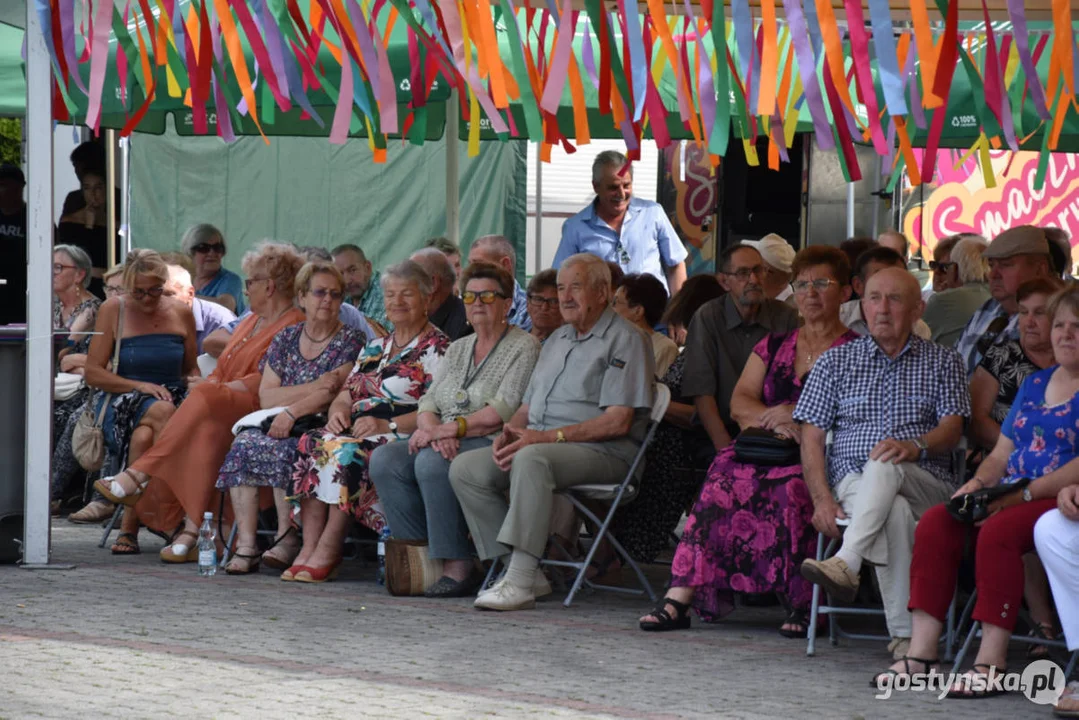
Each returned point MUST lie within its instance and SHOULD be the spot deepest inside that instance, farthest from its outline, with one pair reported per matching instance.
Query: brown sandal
(126, 544)
(192, 555)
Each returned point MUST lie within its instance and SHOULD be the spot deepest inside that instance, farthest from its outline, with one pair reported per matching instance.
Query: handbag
(973, 507)
(757, 446)
(67, 386)
(301, 425)
(409, 570)
(88, 439)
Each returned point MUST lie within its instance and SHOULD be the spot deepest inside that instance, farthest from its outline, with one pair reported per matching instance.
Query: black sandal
(1042, 631)
(799, 618)
(126, 544)
(926, 664)
(961, 690)
(665, 621)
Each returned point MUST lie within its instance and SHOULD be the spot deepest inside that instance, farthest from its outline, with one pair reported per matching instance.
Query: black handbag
(757, 446)
(303, 424)
(974, 507)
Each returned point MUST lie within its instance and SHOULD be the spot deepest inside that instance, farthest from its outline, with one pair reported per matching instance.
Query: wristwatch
(559, 436)
(1027, 497)
(923, 447)
(393, 427)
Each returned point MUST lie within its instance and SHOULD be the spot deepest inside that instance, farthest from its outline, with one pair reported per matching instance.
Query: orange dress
(185, 460)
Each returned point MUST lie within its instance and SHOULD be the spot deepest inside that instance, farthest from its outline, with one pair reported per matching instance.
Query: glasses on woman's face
(58, 268)
(113, 290)
(251, 281)
(941, 266)
(321, 294)
(207, 248)
(155, 292)
(540, 302)
(801, 287)
(485, 296)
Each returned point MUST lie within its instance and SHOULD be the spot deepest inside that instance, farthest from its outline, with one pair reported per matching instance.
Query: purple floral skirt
(748, 533)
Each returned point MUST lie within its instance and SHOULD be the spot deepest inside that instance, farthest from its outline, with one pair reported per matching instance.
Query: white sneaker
(540, 586)
(506, 596)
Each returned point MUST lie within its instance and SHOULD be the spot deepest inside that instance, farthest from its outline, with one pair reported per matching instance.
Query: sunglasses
(155, 292)
(321, 293)
(942, 266)
(486, 297)
(539, 300)
(989, 337)
(206, 248)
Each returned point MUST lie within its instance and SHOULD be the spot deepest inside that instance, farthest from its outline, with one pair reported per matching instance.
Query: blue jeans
(417, 498)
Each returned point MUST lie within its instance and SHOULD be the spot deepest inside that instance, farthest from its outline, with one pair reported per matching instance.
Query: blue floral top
(1046, 437)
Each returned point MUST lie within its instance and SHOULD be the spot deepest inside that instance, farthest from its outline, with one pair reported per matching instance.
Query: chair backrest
(662, 400)
(207, 363)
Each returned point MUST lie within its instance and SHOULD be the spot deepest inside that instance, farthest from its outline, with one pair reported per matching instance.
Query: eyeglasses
(486, 296)
(801, 287)
(539, 300)
(744, 274)
(58, 268)
(139, 293)
(942, 266)
(111, 290)
(989, 337)
(218, 248)
(321, 293)
(251, 281)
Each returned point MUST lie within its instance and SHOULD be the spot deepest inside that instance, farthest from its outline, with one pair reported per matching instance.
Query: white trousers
(1057, 540)
(884, 503)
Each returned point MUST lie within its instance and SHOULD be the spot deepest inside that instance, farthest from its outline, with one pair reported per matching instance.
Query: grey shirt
(577, 378)
(719, 343)
(948, 311)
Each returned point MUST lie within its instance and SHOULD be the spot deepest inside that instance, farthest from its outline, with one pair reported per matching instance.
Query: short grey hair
(969, 263)
(435, 263)
(198, 234)
(81, 259)
(599, 274)
(349, 247)
(409, 271)
(312, 253)
(500, 245)
(606, 159)
(178, 274)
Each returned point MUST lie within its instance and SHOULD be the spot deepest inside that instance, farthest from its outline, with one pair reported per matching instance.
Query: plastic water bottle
(207, 549)
(382, 538)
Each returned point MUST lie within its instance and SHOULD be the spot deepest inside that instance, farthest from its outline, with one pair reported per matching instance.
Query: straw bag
(88, 439)
(409, 571)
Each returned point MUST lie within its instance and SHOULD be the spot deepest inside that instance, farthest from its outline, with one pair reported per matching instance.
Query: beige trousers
(884, 503)
(498, 527)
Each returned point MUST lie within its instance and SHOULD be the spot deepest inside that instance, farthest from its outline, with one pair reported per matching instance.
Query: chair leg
(645, 585)
(966, 646)
(811, 629)
(488, 580)
(110, 525)
(1071, 665)
(227, 555)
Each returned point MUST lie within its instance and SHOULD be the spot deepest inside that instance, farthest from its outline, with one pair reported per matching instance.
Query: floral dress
(752, 525)
(256, 459)
(1046, 437)
(333, 468)
(1009, 366)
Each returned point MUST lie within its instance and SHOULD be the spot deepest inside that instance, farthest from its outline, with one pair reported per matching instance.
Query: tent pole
(850, 210)
(538, 250)
(110, 198)
(39, 150)
(125, 197)
(453, 194)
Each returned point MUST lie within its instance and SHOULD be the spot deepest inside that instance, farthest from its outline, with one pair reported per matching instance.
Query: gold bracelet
(462, 427)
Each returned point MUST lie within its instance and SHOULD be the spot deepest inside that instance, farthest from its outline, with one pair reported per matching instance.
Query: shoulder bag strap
(115, 359)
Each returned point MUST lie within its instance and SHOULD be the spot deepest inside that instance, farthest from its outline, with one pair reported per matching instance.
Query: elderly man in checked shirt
(895, 404)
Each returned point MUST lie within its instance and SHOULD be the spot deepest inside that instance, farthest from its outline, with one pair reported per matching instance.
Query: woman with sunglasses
(187, 455)
(156, 339)
(478, 386)
(959, 286)
(206, 246)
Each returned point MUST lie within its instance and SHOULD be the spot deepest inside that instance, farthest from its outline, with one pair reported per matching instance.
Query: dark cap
(1021, 240)
(12, 172)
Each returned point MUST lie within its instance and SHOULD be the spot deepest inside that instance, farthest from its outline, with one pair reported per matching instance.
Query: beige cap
(1020, 240)
(775, 251)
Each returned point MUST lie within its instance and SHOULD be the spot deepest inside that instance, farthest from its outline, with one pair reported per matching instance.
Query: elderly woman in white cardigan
(477, 387)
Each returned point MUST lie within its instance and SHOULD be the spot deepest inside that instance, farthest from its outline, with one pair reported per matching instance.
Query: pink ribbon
(99, 59)
(556, 78)
(342, 114)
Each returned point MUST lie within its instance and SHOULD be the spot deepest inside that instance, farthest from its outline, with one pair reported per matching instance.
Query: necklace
(394, 346)
(812, 353)
(319, 342)
(460, 397)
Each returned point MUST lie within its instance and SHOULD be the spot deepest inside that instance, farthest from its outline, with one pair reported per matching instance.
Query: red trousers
(999, 545)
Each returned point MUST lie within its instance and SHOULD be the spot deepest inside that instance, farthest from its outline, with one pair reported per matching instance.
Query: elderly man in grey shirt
(722, 335)
(582, 420)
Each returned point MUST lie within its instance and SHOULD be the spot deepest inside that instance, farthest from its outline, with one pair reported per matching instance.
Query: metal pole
(125, 197)
(453, 189)
(538, 249)
(38, 129)
(850, 210)
(110, 189)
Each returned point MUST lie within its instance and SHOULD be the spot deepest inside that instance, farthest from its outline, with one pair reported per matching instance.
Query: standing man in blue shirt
(633, 233)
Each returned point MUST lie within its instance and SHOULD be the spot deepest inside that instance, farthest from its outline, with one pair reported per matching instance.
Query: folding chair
(616, 495)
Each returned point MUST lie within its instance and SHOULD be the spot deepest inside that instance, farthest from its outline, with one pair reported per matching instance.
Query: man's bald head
(892, 305)
(896, 241)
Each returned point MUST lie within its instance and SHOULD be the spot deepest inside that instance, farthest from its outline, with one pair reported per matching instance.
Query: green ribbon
(721, 124)
(533, 119)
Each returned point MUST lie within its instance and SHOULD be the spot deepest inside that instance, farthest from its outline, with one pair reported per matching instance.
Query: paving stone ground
(130, 637)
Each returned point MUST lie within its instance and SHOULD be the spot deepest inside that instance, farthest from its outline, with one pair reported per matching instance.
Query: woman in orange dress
(187, 456)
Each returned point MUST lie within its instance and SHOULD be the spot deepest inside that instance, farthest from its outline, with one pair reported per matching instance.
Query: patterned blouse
(87, 310)
(1009, 366)
(1046, 437)
(381, 379)
(285, 359)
